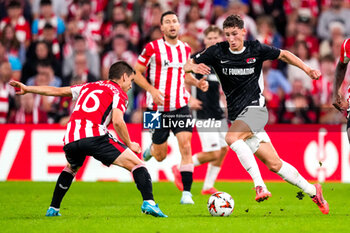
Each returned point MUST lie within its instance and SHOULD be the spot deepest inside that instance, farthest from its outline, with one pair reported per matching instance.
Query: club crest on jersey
(251, 60)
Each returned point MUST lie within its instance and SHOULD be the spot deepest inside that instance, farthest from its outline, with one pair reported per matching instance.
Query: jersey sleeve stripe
(168, 79)
(88, 129)
(158, 62)
(178, 79)
(82, 132)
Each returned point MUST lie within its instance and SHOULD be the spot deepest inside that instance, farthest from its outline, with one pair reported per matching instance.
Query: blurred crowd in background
(68, 42)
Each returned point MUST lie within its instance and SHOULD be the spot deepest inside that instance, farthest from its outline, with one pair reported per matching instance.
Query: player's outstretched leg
(144, 185)
(62, 185)
(269, 156)
(319, 200)
(248, 161)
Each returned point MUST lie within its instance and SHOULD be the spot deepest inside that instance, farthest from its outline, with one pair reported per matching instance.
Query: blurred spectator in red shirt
(16, 19)
(267, 32)
(302, 50)
(12, 45)
(195, 17)
(119, 52)
(7, 92)
(303, 32)
(298, 106)
(47, 16)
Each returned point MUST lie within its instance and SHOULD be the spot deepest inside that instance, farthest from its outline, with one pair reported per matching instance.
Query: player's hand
(339, 103)
(20, 88)
(314, 74)
(201, 69)
(203, 84)
(158, 96)
(195, 104)
(135, 147)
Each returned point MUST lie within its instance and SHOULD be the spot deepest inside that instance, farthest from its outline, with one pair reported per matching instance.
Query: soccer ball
(220, 204)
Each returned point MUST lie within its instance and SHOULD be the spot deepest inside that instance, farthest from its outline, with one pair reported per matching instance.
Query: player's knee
(230, 139)
(160, 155)
(275, 165)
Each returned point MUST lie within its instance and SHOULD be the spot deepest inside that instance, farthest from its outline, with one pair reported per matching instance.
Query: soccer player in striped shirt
(165, 59)
(340, 71)
(97, 105)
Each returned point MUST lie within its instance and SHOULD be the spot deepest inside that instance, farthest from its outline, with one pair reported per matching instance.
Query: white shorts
(215, 139)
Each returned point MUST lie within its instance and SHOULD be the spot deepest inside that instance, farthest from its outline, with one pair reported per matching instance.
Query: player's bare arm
(201, 68)
(41, 90)
(290, 58)
(201, 84)
(338, 102)
(121, 129)
(158, 97)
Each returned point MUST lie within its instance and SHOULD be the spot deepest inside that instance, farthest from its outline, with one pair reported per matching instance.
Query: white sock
(246, 157)
(195, 160)
(292, 176)
(151, 202)
(210, 177)
(57, 209)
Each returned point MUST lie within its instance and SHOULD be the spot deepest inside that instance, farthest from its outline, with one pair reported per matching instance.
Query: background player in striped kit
(238, 64)
(340, 71)
(98, 104)
(214, 147)
(166, 93)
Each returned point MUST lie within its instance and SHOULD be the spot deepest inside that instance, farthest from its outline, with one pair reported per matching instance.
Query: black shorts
(172, 119)
(103, 148)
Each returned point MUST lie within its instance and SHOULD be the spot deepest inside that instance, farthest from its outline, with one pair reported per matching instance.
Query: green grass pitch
(115, 207)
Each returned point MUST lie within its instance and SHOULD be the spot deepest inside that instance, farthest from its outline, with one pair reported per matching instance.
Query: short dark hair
(165, 14)
(233, 21)
(14, 4)
(118, 69)
(212, 28)
(45, 3)
(44, 63)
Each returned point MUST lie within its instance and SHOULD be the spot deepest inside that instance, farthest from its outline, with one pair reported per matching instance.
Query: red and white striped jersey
(93, 109)
(6, 91)
(166, 72)
(21, 27)
(345, 51)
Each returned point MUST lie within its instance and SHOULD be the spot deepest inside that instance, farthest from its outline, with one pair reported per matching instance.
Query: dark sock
(187, 179)
(143, 182)
(62, 185)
